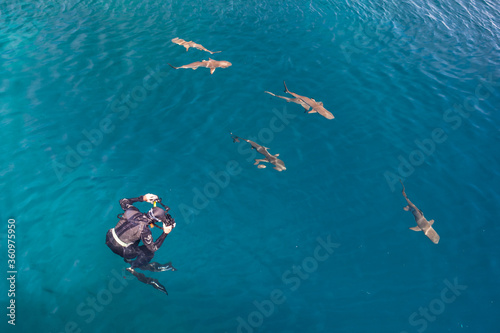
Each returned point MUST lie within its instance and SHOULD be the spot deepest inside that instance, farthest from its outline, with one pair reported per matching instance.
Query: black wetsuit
(130, 230)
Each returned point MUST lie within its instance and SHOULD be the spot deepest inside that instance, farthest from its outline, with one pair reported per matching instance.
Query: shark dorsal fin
(431, 222)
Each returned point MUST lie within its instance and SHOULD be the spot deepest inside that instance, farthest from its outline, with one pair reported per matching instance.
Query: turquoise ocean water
(92, 113)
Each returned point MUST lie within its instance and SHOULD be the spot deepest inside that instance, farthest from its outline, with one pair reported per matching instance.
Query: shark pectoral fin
(312, 111)
(212, 70)
(261, 166)
(431, 222)
(416, 228)
(320, 103)
(257, 161)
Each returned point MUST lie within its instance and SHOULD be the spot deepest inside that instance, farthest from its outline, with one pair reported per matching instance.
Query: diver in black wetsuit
(124, 238)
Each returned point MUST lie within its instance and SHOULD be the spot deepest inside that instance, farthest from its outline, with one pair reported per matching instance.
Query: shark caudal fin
(235, 138)
(173, 66)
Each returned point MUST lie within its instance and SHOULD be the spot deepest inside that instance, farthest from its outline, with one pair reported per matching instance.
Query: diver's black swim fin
(147, 280)
(156, 267)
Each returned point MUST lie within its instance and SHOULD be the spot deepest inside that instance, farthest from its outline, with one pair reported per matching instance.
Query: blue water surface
(91, 112)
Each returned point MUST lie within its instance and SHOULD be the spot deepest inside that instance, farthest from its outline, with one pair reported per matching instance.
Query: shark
(315, 106)
(210, 63)
(273, 159)
(293, 100)
(422, 223)
(192, 44)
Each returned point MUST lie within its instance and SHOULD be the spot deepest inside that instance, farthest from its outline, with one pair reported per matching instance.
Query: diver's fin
(417, 228)
(147, 280)
(156, 267)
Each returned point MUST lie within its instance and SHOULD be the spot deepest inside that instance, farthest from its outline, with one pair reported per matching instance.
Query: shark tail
(173, 66)
(235, 138)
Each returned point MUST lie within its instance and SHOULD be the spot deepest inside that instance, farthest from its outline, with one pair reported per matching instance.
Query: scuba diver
(124, 238)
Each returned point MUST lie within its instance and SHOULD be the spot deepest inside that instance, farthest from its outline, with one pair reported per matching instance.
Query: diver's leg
(130, 252)
(147, 280)
(143, 261)
(144, 256)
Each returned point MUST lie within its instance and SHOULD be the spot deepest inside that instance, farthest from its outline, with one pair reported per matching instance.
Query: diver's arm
(129, 203)
(147, 239)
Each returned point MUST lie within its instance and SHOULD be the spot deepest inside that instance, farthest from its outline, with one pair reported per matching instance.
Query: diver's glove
(151, 198)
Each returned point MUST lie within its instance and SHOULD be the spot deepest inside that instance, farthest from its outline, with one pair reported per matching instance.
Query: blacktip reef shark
(273, 159)
(316, 106)
(210, 63)
(293, 100)
(422, 223)
(192, 44)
